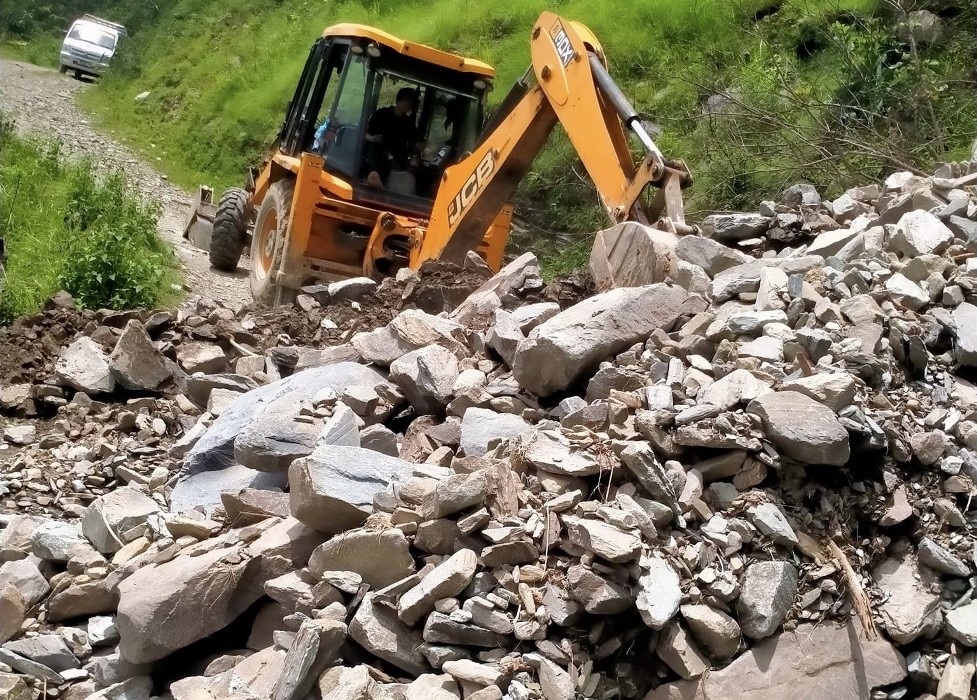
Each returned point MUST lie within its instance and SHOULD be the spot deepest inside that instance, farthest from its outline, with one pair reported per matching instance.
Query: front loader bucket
(200, 223)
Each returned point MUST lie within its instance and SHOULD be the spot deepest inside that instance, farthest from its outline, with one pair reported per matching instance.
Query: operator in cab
(391, 137)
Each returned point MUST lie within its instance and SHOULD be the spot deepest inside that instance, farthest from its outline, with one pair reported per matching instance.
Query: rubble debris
(754, 477)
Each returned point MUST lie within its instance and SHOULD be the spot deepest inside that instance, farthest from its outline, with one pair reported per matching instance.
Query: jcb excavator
(322, 209)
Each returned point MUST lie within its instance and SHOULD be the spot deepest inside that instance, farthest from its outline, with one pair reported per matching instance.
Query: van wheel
(230, 229)
(62, 69)
(268, 243)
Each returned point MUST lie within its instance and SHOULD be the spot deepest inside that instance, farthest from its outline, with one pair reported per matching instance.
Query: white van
(89, 45)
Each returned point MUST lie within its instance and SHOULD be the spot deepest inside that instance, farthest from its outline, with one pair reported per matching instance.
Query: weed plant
(68, 226)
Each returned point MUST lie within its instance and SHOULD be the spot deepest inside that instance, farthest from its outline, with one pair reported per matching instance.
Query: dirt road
(43, 102)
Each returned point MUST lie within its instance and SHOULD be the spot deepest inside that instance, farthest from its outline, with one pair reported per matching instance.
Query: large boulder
(135, 362)
(84, 366)
(813, 661)
(920, 233)
(169, 606)
(117, 518)
(332, 490)
(215, 450)
(480, 426)
(712, 256)
(802, 428)
(408, 331)
(632, 255)
(571, 344)
(380, 558)
(427, 376)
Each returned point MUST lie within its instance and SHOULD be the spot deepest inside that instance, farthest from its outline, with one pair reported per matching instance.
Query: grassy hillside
(68, 228)
(753, 94)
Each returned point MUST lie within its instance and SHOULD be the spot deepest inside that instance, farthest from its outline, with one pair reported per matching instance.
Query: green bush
(68, 226)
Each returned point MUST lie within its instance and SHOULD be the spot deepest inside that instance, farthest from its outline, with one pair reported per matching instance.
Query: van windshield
(93, 35)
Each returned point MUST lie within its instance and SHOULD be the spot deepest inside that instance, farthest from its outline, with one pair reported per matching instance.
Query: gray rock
(455, 493)
(930, 554)
(23, 665)
(802, 428)
(961, 624)
(204, 489)
(958, 674)
(658, 593)
(920, 233)
(169, 606)
(215, 450)
(138, 688)
(117, 518)
(136, 363)
(377, 629)
(448, 579)
(505, 284)
(332, 490)
(442, 629)
(603, 539)
(427, 377)
(833, 389)
(351, 289)
(20, 434)
(380, 558)
(101, 630)
(767, 594)
(58, 541)
(641, 460)
(13, 612)
(431, 687)
(47, 649)
(772, 523)
(710, 255)
(965, 320)
(315, 646)
(480, 426)
(713, 629)
(746, 278)
(410, 330)
(531, 315)
(735, 227)
(572, 343)
(680, 653)
(505, 335)
(738, 386)
(599, 596)
(801, 195)
(207, 358)
(84, 366)
(813, 661)
(551, 451)
(26, 578)
(906, 292)
(378, 438)
(911, 608)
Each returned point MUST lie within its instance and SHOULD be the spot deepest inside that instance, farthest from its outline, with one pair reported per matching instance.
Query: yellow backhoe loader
(384, 159)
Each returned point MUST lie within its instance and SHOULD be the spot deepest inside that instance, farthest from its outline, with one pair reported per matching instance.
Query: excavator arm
(566, 84)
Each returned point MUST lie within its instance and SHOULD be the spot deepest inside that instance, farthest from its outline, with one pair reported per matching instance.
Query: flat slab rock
(215, 450)
(802, 428)
(563, 349)
(823, 661)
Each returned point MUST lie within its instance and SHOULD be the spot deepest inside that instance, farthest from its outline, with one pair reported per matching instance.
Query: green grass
(829, 93)
(67, 226)
(41, 51)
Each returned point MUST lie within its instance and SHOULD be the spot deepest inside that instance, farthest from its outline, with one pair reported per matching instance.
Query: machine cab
(346, 110)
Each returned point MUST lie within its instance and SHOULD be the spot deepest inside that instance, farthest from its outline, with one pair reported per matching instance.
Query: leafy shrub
(68, 226)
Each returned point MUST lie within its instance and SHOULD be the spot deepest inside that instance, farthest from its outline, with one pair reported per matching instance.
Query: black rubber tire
(230, 229)
(62, 69)
(265, 264)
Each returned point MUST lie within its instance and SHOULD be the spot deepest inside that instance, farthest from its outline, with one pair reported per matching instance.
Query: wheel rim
(267, 239)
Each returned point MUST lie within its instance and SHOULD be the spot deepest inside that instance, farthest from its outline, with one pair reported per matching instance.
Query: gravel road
(43, 102)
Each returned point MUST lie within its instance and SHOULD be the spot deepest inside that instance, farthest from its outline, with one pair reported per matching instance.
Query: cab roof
(409, 48)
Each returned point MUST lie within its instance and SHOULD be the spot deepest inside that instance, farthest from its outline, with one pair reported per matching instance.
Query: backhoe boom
(566, 84)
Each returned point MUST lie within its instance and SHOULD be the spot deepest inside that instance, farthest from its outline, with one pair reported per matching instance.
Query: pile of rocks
(754, 481)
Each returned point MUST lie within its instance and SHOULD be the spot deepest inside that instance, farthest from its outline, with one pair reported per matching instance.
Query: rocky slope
(753, 481)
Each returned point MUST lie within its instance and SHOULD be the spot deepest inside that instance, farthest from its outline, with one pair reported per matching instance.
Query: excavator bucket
(200, 222)
(633, 254)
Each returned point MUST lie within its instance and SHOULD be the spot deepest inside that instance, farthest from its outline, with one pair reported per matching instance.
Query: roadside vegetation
(68, 227)
(753, 94)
